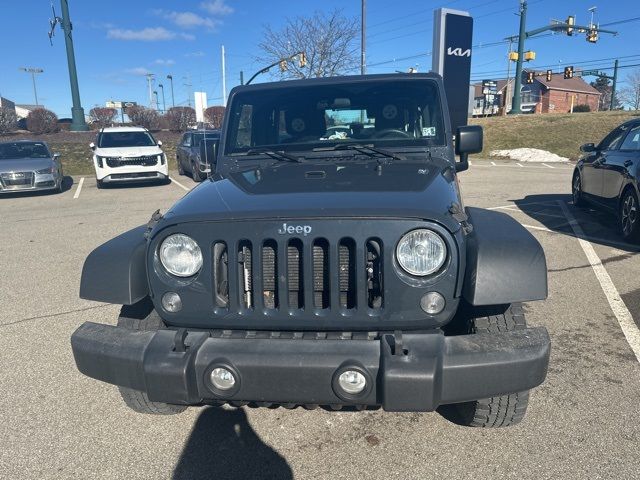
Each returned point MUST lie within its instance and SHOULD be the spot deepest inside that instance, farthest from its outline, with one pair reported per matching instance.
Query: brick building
(541, 96)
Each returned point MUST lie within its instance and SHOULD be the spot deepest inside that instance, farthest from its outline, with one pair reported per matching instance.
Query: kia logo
(458, 52)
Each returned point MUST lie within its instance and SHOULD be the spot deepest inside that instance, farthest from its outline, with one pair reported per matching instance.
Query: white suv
(128, 154)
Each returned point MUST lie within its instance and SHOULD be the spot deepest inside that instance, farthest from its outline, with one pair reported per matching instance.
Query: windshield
(385, 113)
(125, 139)
(23, 150)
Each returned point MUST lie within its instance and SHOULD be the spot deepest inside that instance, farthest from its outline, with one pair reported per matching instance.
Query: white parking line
(173, 180)
(520, 165)
(470, 164)
(493, 163)
(620, 310)
(521, 205)
(548, 166)
(79, 189)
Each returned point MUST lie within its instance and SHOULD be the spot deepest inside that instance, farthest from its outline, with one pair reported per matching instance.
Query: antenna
(52, 23)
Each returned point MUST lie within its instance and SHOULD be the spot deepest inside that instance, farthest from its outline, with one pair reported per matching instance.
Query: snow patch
(528, 155)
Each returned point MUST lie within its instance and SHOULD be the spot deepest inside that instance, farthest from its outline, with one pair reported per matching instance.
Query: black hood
(400, 189)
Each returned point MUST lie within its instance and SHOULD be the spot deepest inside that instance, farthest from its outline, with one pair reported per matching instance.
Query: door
(183, 149)
(620, 165)
(592, 172)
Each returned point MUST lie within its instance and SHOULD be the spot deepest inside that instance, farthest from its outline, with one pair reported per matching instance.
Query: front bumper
(134, 177)
(405, 372)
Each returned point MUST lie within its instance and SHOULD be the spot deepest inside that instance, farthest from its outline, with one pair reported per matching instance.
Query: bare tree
(215, 115)
(180, 118)
(42, 121)
(328, 40)
(145, 117)
(8, 120)
(102, 116)
(630, 94)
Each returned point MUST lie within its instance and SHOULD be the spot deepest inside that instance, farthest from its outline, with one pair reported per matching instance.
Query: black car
(606, 176)
(317, 272)
(188, 154)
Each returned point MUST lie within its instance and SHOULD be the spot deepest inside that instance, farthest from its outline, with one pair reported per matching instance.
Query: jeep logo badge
(291, 229)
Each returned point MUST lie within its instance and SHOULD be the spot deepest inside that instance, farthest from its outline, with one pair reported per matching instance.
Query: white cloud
(141, 71)
(199, 53)
(189, 19)
(187, 36)
(217, 7)
(165, 62)
(145, 35)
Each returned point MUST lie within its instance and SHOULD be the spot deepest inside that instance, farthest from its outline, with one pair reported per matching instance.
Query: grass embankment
(557, 133)
(561, 134)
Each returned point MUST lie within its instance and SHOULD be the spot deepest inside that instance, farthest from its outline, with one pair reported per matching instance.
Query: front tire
(195, 173)
(143, 317)
(180, 168)
(576, 190)
(630, 216)
(494, 412)
(99, 184)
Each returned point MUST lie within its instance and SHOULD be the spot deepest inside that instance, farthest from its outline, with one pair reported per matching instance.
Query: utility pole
(173, 100)
(33, 72)
(363, 39)
(78, 123)
(613, 85)
(164, 105)
(516, 102)
(155, 97)
(149, 81)
(241, 77)
(506, 86)
(188, 85)
(224, 82)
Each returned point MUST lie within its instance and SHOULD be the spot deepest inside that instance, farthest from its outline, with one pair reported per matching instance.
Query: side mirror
(92, 146)
(209, 152)
(159, 143)
(469, 140)
(588, 147)
(56, 156)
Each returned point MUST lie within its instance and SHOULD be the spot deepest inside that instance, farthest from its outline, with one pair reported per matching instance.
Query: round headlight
(421, 252)
(180, 255)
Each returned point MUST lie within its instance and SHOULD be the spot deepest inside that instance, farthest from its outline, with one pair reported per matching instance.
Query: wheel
(195, 174)
(180, 168)
(493, 412)
(629, 217)
(143, 317)
(99, 184)
(576, 190)
(60, 187)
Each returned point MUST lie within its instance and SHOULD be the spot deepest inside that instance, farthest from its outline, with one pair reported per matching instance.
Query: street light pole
(363, 39)
(33, 72)
(78, 123)
(164, 105)
(173, 101)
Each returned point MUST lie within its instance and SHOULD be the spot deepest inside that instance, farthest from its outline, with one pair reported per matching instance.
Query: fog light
(171, 302)
(432, 303)
(352, 382)
(222, 379)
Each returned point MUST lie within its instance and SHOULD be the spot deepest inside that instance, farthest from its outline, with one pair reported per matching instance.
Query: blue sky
(118, 41)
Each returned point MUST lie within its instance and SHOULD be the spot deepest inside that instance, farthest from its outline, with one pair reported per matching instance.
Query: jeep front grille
(317, 275)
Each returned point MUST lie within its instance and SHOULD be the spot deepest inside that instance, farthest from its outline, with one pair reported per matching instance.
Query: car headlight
(180, 255)
(99, 160)
(44, 171)
(421, 252)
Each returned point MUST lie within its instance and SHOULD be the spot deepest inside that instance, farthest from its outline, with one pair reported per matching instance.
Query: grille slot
(321, 273)
(294, 274)
(245, 273)
(220, 275)
(270, 274)
(347, 273)
(374, 273)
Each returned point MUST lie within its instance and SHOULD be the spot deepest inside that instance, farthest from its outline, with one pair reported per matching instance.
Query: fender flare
(505, 263)
(116, 271)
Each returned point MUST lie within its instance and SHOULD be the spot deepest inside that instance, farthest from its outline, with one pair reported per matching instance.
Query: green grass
(561, 134)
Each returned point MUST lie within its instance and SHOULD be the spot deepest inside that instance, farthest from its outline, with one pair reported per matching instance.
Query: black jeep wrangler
(329, 261)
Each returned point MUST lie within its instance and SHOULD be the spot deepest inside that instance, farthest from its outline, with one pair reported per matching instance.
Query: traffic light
(530, 76)
(549, 75)
(571, 21)
(529, 55)
(302, 59)
(568, 72)
(592, 35)
(283, 66)
(513, 56)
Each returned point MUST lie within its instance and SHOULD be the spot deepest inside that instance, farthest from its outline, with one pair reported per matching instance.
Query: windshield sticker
(429, 131)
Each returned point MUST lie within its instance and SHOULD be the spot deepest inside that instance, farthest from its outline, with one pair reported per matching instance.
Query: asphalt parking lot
(583, 422)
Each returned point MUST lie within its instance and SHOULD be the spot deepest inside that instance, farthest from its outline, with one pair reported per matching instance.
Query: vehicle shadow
(134, 185)
(223, 445)
(598, 227)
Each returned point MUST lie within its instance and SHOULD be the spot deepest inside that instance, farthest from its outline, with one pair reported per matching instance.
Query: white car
(128, 154)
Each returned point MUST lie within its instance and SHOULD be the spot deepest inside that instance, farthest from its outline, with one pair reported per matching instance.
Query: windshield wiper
(278, 155)
(368, 150)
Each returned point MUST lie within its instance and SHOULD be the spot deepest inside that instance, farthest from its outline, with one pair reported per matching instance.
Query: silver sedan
(29, 166)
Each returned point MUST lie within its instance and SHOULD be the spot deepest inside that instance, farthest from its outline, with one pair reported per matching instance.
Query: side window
(612, 141)
(243, 139)
(632, 140)
(186, 140)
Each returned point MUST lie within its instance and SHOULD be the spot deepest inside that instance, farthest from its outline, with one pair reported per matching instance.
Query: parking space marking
(548, 166)
(79, 189)
(520, 165)
(521, 205)
(620, 310)
(173, 180)
(494, 164)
